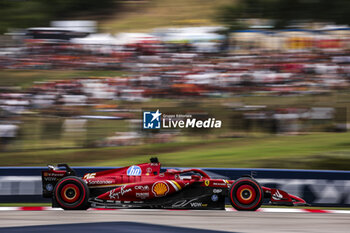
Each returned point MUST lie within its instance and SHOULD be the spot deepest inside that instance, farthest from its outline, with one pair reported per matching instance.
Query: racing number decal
(89, 175)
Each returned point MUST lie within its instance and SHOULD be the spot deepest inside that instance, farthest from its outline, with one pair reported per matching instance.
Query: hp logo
(134, 171)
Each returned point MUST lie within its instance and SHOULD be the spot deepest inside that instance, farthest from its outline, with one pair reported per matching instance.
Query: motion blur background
(75, 76)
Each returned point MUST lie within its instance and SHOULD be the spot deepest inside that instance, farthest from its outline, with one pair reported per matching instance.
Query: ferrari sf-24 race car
(145, 186)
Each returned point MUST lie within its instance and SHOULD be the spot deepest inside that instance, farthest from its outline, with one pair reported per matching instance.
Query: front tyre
(246, 194)
(72, 193)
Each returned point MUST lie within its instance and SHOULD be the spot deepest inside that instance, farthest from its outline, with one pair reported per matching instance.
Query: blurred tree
(284, 12)
(69, 7)
(31, 13)
(14, 14)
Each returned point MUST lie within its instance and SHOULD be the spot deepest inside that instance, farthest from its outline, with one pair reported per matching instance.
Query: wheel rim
(246, 194)
(70, 193)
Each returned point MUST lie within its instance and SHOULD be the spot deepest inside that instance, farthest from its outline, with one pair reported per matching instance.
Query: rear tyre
(246, 194)
(72, 193)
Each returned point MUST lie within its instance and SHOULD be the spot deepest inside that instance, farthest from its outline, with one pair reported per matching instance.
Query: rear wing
(50, 177)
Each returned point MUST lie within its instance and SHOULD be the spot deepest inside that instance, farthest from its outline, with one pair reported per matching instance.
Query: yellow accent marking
(177, 184)
(207, 182)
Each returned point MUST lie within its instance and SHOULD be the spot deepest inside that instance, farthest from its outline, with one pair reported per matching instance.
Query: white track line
(267, 210)
(8, 208)
(281, 210)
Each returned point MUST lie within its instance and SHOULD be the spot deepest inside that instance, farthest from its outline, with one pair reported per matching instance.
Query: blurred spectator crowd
(173, 70)
(155, 68)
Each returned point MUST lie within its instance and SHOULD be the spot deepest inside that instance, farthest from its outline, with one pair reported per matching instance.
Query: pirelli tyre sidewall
(246, 194)
(72, 193)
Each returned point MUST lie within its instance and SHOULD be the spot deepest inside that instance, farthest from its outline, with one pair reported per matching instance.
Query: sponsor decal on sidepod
(160, 188)
(142, 187)
(142, 195)
(115, 195)
(134, 171)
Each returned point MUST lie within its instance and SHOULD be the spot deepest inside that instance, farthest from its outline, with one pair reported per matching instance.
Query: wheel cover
(246, 194)
(70, 193)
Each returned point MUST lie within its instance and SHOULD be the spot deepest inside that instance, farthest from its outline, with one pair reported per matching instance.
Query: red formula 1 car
(145, 186)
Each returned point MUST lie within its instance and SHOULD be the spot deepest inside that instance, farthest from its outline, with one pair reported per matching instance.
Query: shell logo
(160, 188)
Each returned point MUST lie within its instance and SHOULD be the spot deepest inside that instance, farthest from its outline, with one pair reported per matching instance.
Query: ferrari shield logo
(207, 182)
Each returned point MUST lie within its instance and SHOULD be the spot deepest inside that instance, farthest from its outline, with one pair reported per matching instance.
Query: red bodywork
(144, 185)
(152, 184)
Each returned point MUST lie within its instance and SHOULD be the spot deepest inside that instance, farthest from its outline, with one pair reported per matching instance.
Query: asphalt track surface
(131, 221)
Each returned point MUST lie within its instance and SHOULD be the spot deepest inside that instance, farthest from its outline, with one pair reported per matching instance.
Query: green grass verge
(23, 204)
(315, 151)
(318, 151)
